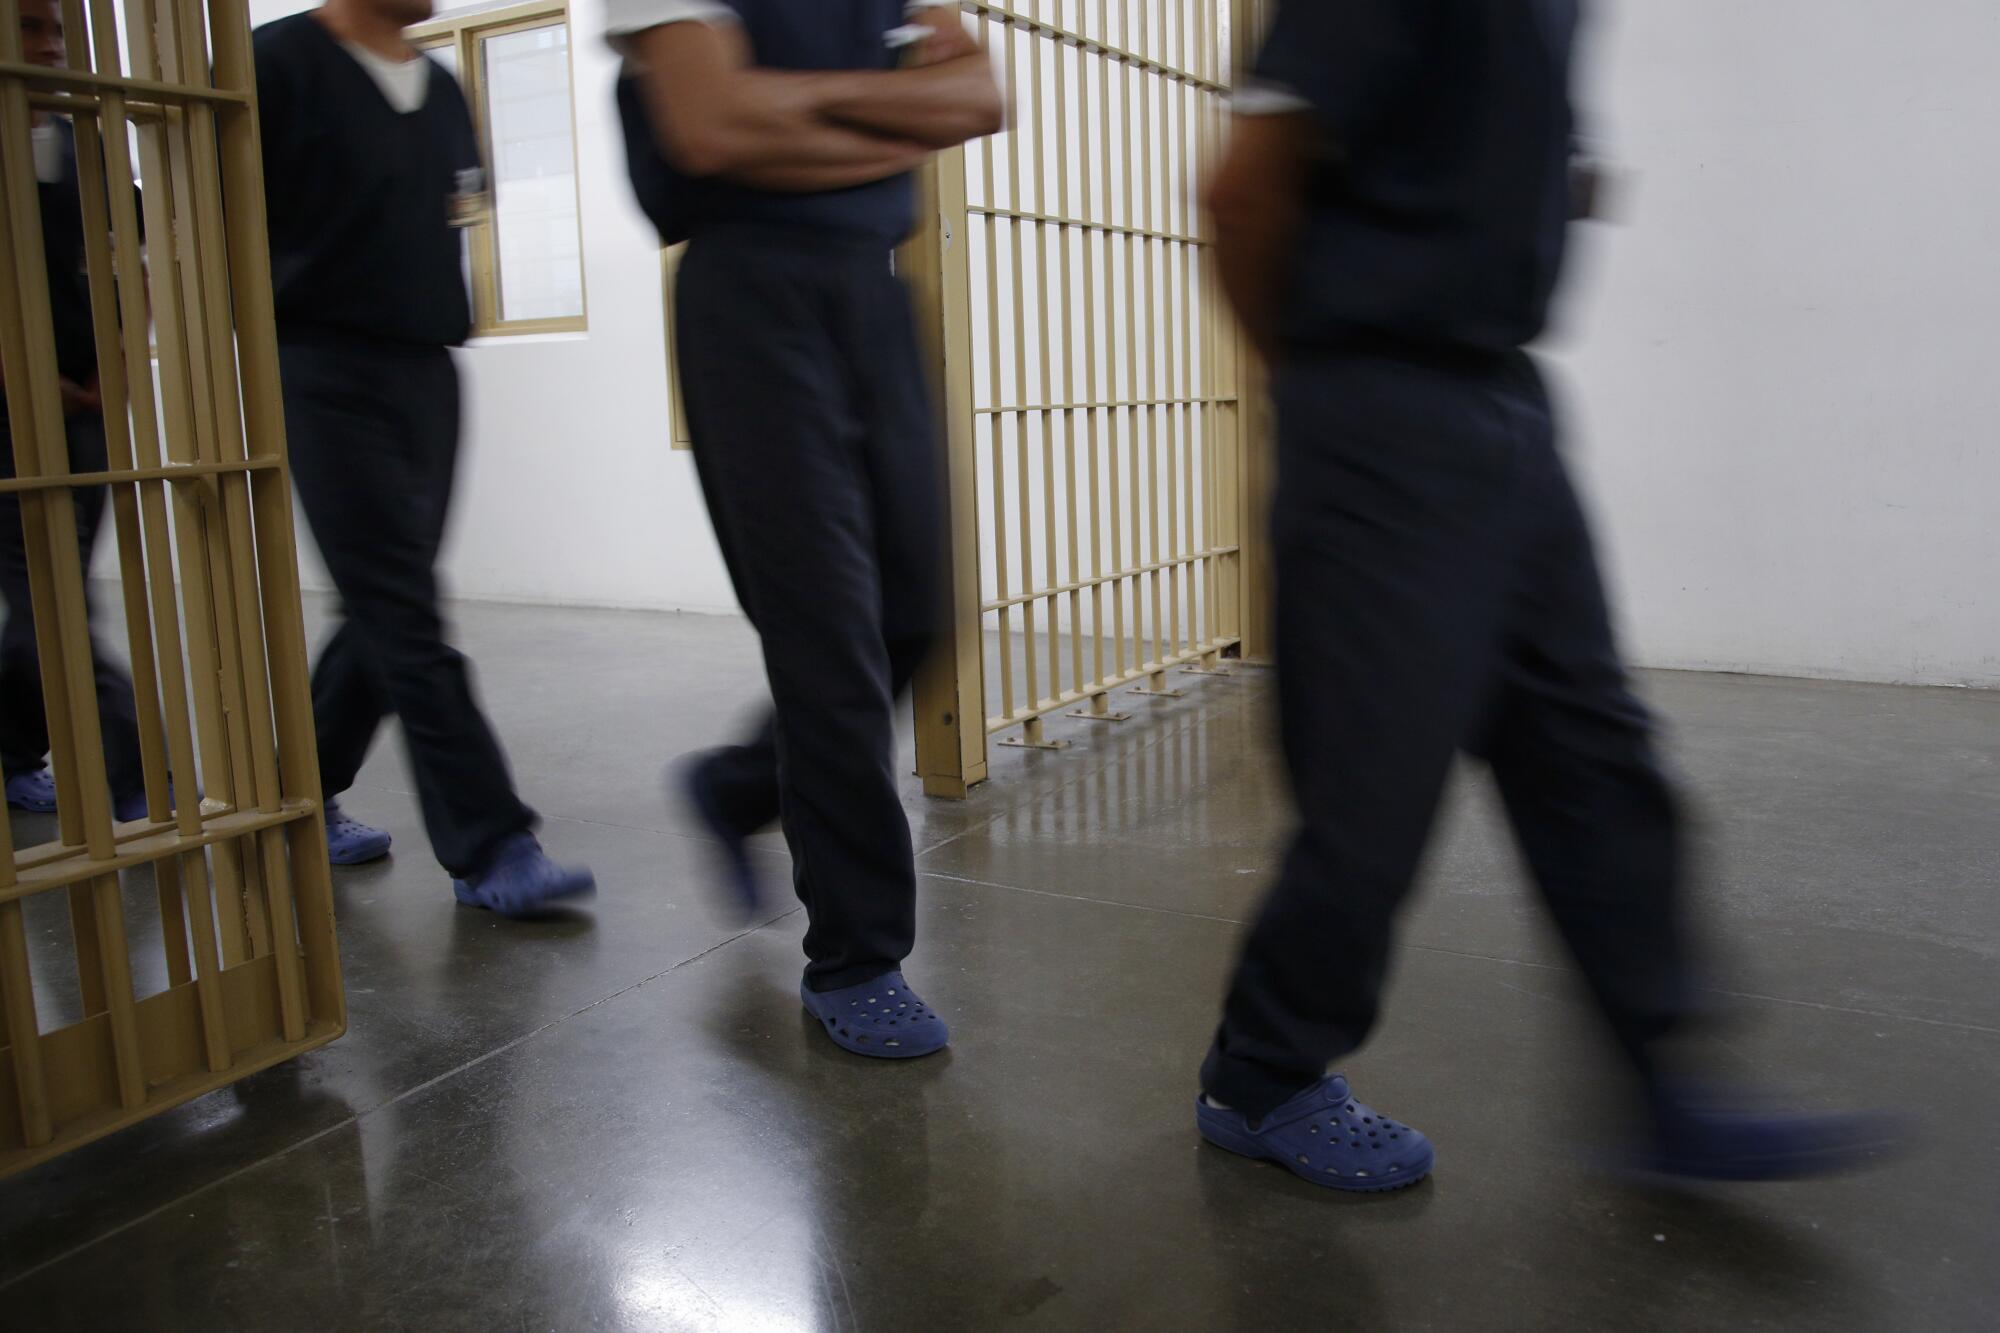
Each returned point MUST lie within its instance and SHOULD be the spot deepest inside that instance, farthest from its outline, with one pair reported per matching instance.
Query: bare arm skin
(1258, 202)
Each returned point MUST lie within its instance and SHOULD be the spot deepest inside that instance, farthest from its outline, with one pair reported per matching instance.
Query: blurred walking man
(1391, 225)
(24, 725)
(371, 168)
(779, 136)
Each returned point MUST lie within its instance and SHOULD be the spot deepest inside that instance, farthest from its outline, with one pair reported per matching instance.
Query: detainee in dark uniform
(1391, 224)
(371, 170)
(24, 726)
(778, 135)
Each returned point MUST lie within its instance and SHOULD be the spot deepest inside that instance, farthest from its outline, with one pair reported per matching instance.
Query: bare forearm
(939, 105)
(1258, 203)
(1251, 256)
(865, 158)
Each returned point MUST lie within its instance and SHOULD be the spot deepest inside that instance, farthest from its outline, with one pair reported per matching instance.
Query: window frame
(463, 31)
(680, 436)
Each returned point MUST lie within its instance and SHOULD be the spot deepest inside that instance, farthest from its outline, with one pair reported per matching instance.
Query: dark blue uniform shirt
(1438, 208)
(361, 196)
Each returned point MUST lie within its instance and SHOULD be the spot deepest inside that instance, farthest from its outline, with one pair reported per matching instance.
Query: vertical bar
(1069, 365)
(950, 693)
(1039, 171)
(1174, 314)
(1031, 674)
(1184, 96)
(1148, 321)
(1089, 241)
(1111, 414)
(17, 1001)
(1135, 390)
(1247, 424)
(997, 419)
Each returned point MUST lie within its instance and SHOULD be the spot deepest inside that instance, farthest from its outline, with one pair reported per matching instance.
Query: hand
(80, 399)
(948, 40)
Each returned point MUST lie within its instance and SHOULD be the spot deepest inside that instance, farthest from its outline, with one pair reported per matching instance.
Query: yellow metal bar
(1083, 405)
(1111, 418)
(1149, 668)
(178, 473)
(1127, 572)
(949, 693)
(1038, 170)
(1068, 365)
(990, 150)
(1179, 99)
(1091, 443)
(1098, 46)
(17, 1007)
(1030, 666)
(1148, 322)
(84, 80)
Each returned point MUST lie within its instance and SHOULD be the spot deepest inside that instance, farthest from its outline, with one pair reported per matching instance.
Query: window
(525, 260)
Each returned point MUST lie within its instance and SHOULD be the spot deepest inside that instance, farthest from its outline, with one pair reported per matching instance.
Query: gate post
(1256, 444)
(950, 688)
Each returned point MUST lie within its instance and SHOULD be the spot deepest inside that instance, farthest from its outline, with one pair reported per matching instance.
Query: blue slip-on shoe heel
(349, 842)
(1325, 1136)
(882, 1018)
(521, 880)
(34, 792)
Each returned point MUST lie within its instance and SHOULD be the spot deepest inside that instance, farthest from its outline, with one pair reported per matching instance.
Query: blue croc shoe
(521, 880)
(349, 842)
(1698, 1135)
(1325, 1136)
(883, 1018)
(34, 792)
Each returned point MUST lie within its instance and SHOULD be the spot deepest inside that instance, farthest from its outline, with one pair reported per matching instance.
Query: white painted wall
(1784, 395)
(1777, 367)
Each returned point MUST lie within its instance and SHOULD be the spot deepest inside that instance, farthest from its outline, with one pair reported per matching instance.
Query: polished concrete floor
(620, 1119)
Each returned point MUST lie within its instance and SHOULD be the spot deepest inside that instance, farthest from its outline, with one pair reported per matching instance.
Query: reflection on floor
(622, 1120)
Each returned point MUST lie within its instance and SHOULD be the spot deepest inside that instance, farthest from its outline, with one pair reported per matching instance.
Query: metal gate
(1091, 381)
(247, 974)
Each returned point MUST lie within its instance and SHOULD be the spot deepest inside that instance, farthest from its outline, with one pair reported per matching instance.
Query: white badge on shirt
(469, 201)
(48, 153)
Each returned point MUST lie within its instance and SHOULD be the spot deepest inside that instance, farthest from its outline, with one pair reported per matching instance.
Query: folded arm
(943, 96)
(717, 114)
